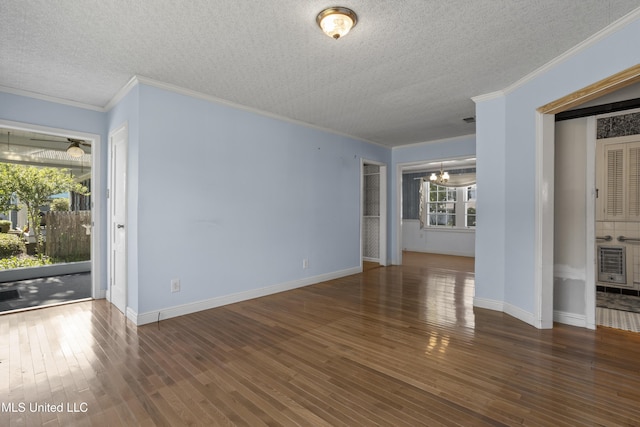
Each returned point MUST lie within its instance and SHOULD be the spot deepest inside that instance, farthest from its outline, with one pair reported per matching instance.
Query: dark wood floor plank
(392, 346)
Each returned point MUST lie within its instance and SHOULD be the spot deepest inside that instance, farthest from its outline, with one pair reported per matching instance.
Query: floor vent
(612, 264)
(9, 295)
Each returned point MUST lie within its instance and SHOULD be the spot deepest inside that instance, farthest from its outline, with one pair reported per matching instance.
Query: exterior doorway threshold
(61, 269)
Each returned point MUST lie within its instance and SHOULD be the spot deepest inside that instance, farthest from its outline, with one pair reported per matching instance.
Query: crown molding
(133, 82)
(436, 141)
(48, 98)
(136, 80)
(488, 96)
(585, 44)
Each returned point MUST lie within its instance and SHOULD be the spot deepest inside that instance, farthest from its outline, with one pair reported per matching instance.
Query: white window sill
(450, 229)
(442, 229)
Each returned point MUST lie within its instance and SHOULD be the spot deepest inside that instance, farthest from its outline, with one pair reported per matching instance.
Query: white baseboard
(520, 314)
(564, 317)
(571, 319)
(132, 315)
(505, 307)
(101, 294)
(489, 304)
(181, 310)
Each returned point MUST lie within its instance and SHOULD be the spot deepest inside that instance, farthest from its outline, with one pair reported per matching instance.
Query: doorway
(596, 222)
(586, 237)
(544, 207)
(617, 222)
(437, 218)
(373, 246)
(45, 147)
(596, 250)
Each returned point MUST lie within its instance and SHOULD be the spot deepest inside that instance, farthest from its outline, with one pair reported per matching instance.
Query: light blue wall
(224, 199)
(231, 201)
(428, 151)
(613, 54)
(491, 203)
(31, 111)
(45, 113)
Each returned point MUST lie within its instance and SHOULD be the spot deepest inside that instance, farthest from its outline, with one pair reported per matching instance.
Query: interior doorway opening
(548, 295)
(437, 218)
(374, 213)
(617, 222)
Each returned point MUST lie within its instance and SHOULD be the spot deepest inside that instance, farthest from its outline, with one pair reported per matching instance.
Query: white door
(117, 218)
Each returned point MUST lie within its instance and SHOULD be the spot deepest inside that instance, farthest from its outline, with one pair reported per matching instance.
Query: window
(441, 205)
(470, 206)
(450, 206)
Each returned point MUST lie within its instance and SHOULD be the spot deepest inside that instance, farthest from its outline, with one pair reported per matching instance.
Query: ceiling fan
(74, 149)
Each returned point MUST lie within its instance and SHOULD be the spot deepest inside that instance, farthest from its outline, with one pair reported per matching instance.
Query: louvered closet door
(633, 182)
(615, 182)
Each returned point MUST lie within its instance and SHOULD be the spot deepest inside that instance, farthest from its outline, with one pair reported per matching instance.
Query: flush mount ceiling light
(337, 21)
(74, 149)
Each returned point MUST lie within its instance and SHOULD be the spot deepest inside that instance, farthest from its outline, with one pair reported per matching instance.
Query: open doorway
(374, 214)
(596, 250)
(50, 256)
(618, 222)
(438, 207)
(594, 253)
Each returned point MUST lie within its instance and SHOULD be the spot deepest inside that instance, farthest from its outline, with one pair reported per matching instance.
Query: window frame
(454, 206)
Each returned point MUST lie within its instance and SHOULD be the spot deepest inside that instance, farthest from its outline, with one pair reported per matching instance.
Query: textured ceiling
(405, 73)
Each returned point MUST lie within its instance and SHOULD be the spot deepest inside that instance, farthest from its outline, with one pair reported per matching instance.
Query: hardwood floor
(399, 345)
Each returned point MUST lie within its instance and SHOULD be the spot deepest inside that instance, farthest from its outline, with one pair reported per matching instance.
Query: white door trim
(590, 233)
(383, 215)
(97, 195)
(544, 218)
(397, 257)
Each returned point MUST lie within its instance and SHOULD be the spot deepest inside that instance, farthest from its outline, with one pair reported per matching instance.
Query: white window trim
(460, 204)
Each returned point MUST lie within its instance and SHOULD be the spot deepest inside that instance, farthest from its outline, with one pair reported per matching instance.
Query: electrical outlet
(305, 263)
(175, 285)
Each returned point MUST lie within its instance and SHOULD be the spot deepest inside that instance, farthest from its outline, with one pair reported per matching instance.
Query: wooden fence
(67, 237)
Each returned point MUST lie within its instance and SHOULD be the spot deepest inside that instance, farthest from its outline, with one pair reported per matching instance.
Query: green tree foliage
(11, 245)
(33, 187)
(60, 205)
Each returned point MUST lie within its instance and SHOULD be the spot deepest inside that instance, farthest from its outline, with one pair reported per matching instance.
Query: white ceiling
(405, 74)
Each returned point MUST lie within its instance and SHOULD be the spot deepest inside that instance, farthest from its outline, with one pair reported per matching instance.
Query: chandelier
(440, 178)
